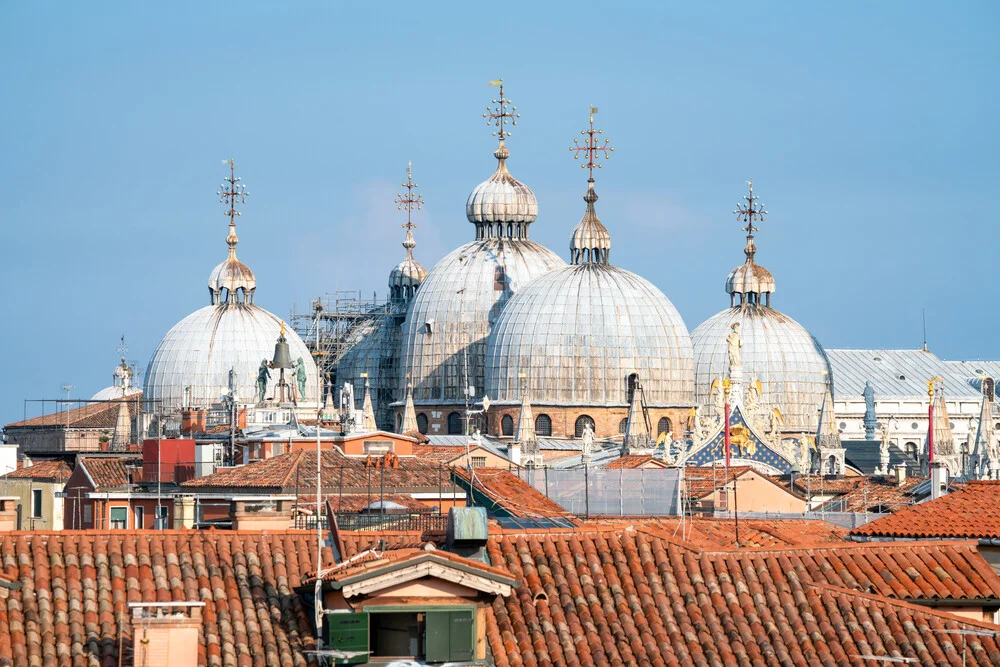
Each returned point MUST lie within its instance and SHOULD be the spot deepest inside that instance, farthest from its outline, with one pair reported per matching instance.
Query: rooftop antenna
(67, 388)
(923, 316)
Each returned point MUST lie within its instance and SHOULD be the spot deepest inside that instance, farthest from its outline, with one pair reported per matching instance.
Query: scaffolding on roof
(342, 322)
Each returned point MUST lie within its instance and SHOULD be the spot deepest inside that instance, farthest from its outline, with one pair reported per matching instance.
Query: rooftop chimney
(939, 480)
(900, 473)
(166, 633)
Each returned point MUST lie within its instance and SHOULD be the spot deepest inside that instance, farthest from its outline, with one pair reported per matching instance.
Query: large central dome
(451, 315)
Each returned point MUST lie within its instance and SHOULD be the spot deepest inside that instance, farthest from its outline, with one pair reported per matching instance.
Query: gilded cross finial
(232, 192)
(499, 116)
(409, 201)
(750, 212)
(122, 348)
(591, 148)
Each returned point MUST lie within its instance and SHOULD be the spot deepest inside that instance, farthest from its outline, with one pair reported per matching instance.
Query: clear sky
(870, 130)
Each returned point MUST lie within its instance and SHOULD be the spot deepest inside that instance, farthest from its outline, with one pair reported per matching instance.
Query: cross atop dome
(406, 277)
(591, 242)
(232, 192)
(748, 213)
(750, 283)
(409, 201)
(232, 280)
(499, 117)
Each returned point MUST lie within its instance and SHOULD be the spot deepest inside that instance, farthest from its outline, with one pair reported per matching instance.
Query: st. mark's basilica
(505, 341)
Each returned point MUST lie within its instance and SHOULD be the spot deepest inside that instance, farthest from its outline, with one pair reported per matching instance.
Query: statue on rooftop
(735, 349)
(300, 377)
(870, 420)
(263, 375)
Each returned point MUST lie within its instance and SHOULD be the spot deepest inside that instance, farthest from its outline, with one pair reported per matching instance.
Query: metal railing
(403, 522)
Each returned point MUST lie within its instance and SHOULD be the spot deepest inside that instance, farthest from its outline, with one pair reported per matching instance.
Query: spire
(501, 206)
(590, 242)
(637, 433)
(944, 439)
(368, 411)
(406, 277)
(831, 449)
(409, 412)
(525, 436)
(983, 460)
(123, 429)
(232, 279)
(751, 282)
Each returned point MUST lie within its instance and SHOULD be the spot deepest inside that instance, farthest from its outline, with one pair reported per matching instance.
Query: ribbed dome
(199, 351)
(789, 362)
(501, 199)
(115, 392)
(578, 332)
(455, 306)
(750, 278)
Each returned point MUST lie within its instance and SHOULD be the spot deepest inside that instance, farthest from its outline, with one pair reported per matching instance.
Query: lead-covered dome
(191, 364)
(444, 336)
(789, 362)
(578, 333)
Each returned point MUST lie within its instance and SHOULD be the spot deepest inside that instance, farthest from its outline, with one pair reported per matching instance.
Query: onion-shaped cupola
(449, 318)
(750, 282)
(586, 334)
(405, 277)
(790, 363)
(232, 280)
(501, 206)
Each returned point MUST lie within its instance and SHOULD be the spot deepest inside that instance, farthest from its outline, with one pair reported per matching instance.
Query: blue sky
(870, 130)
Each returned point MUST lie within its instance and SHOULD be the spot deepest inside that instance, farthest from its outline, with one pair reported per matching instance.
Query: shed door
(348, 632)
(451, 636)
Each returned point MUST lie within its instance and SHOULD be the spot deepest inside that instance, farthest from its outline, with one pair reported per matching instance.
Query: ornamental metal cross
(499, 116)
(409, 201)
(750, 211)
(591, 148)
(232, 192)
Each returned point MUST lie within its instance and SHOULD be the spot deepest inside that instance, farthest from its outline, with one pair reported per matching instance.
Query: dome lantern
(501, 206)
(750, 282)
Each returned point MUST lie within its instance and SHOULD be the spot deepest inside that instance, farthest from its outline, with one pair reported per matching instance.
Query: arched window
(663, 426)
(543, 425)
(454, 424)
(631, 383)
(507, 425)
(911, 449)
(399, 422)
(581, 423)
(623, 425)
(422, 423)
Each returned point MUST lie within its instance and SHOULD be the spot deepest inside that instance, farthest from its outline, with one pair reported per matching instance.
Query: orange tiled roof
(628, 598)
(972, 512)
(512, 494)
(438, 453)
(281, 472)
(353, 542)
(109, 471)
(372, 562)
(712, 534)
(91, 415)
(633, 461)
(55, 470)
(75, 588)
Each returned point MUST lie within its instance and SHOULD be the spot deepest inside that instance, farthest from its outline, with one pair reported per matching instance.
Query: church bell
(282, 357)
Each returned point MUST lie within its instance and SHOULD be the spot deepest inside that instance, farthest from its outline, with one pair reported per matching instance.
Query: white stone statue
(883, 450)
(735, 349)
(588, 438)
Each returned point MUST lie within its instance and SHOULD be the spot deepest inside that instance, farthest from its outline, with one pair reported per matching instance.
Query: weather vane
(122, 348)
(750, 212)
(410, 201)
(591, 147)
(232, 192)
(499, 116)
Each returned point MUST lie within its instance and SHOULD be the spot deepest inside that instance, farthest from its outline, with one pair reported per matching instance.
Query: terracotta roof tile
(373, 561)
(591, 597)
(511, 494)
(972, 512)
(91, 415)
(109, 471)
(633, 461)
(75, 587)
(299, 469)
(55, 470)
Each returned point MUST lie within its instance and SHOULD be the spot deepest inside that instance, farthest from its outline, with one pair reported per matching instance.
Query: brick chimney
(166, 633)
